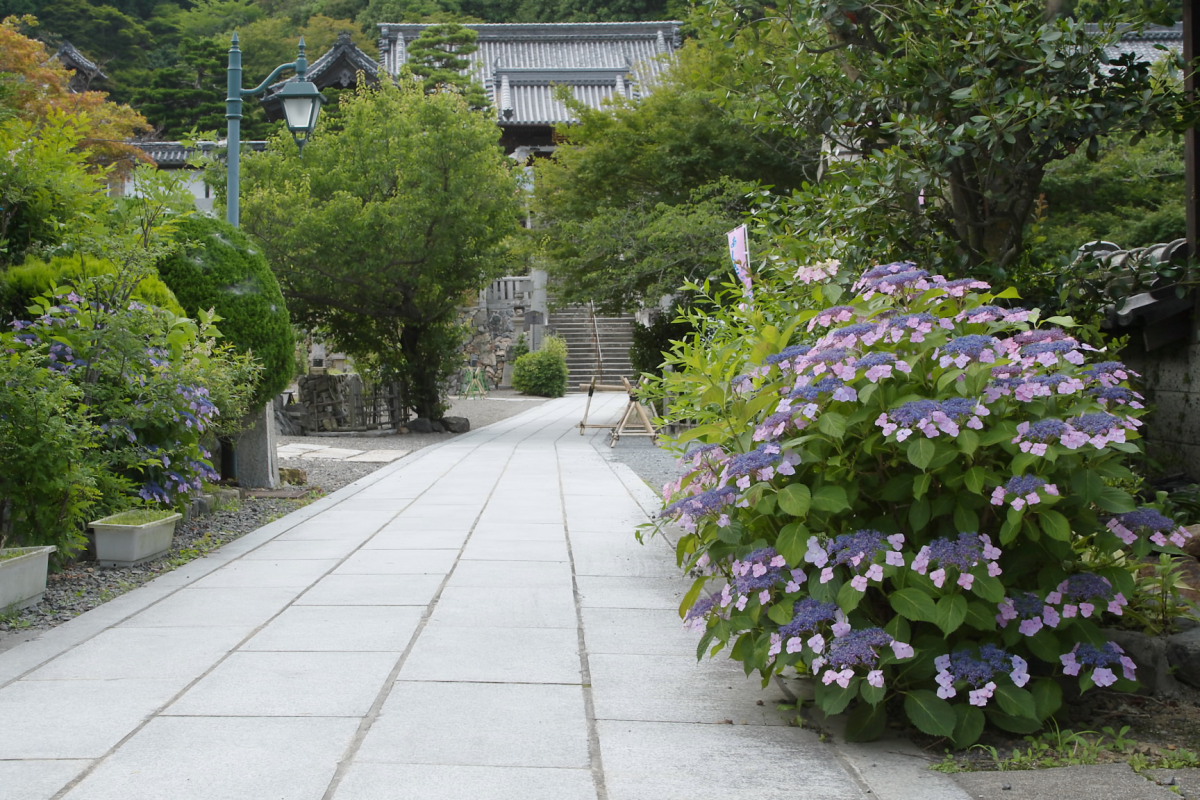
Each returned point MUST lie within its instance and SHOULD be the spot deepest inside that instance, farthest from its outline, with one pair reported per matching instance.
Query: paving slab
(37, 780)
(184, 758)
(398, 562)
(494, 654)
(517, 607)
(602, 591)
(637, 631)
(372, 590)
(303, 550)
(160, 653)
(497, 574)
(76, 719)
(1187, 781)
(379, 456)
(285, 684)
(442, 782)
(510, 530)
(1107, 781)
(480, 724)
(516, 550)
(332, 453)
(339, 628)
(677, 688)
(412, 539)
(217, 607)
(673, 761)
(267, 574)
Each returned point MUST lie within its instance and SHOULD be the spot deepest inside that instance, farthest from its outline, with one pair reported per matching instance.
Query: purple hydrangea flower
(1024, 490)
(965, 349)
(965, 553)
(1149, 522)
(978, 670)
(1102, 660)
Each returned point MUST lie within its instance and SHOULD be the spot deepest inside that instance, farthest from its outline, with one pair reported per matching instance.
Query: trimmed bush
(543, 373)
(21, 284)
(219, 268)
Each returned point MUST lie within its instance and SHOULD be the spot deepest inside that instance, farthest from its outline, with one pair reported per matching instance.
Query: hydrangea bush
(912, 495)
(153, 384)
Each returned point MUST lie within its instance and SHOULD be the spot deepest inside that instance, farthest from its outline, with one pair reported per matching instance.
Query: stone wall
(492, 333)
(1169, 380)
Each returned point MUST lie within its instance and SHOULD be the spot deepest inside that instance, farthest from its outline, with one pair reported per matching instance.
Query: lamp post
(301, 105)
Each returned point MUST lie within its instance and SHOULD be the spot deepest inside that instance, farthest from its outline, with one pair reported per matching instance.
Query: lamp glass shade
(301, 105)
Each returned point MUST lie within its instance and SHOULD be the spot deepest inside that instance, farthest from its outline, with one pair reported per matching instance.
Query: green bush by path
(219, 268)
(543, 373)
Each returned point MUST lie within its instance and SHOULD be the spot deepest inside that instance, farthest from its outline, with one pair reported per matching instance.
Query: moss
(219, 268)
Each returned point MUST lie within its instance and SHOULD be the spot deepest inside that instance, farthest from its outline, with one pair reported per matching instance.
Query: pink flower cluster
(1023, 490)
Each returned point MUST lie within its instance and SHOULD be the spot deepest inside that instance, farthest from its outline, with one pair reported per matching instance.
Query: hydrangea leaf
(930, 713)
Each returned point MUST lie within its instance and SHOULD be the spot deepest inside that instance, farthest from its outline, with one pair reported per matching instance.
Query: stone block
(293, 475)
(1183, 654)
(456, 424)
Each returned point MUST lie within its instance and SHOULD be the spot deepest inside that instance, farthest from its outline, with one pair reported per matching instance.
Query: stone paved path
(473, 621)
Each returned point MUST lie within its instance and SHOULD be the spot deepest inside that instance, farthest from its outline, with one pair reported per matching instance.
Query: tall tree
(439, 56)
(942, 115)
(38, 89)
(639, 198)
(383, 227)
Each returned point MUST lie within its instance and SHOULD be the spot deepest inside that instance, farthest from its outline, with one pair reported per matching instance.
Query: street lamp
(301, 105)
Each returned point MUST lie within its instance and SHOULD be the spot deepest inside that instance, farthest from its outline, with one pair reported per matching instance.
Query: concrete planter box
(121, 544)
(23, 576)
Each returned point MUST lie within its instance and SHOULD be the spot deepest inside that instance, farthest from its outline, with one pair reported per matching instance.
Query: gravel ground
(82, 586)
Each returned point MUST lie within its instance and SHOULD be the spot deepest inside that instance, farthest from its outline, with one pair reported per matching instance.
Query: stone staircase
(581, 331)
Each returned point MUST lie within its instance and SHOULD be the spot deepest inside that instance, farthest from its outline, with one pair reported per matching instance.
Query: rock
(1150, 653)
(293, 475)
(438, 427)
(456, 424)
(420, 425)
(1183, 654)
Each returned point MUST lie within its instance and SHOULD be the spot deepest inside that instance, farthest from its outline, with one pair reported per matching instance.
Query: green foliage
(152, 382)
(19, 285)
(651, 342)
(542, 373)
(639, 198)
(47, 195)
(519, 348)
(555, 345)
(189, 94)
(47, 486)
(219, 269)
(943, 117)
(379, 231)
(438, 58)
(908, 489)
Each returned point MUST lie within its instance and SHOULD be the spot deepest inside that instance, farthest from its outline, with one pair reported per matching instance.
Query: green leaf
(1055, 525)
(795, 499)
(930, 713)
(780, 613)
(974, 479)
(867, 721)
(968, 726)
(792, 542)
(921, 452)
(921, 484)
(965, 519)
(830, 498)
(1045, 645)
(1087, 485)
(832, 424)
(1012, 724)
(919, 514)
(848, 597)
(989, 588)
(968, 441)
(833, 699)
(914, 604)
(1115, 501)
(1016, 702)
(1047, 697)
(950, 613)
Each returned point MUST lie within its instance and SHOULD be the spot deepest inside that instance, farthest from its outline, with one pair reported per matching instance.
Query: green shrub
(218, 268)
(911, 492)
(519, 348)
(555, 345)
(19, 285)
(650, 342)
(46, 485)
(543, 373)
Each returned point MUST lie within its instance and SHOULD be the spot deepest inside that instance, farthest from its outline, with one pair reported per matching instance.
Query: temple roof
(337, 67)
(84, 68)
(520, 65)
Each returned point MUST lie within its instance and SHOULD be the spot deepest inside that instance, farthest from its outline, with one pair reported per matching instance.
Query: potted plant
(133, 536)
(23, 573)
